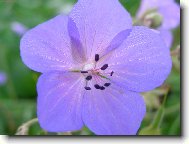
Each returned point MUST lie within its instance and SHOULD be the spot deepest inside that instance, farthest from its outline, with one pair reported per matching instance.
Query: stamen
(84, 71)
(104, 67)
(89, 77)
(87, 88)
(102, 88)
(107, 84)
(111, 73)
(96, 57)
(97, 86)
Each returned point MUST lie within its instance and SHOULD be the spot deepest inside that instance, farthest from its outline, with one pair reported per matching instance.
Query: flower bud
(153, 20)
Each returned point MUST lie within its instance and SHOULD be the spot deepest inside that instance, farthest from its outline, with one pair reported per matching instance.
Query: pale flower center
(89, 66)
(100, 77)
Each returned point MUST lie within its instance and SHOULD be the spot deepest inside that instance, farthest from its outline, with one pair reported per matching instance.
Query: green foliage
(131, 6)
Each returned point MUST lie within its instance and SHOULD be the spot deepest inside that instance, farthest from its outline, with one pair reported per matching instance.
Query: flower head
(3, 78)
(18, 28)
(169, 10)
(162, 15)
(94, 65)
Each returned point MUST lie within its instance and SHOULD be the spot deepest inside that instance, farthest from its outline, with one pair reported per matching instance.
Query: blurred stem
(172, 109)
(164, 99)
(160, 113)
(8, 116)
(29, 123)
(176, 52)
(10, 86)
(176, 58)
(154, 127)
(24, 128)
(175, 125)
(158, 118)
(65, 133)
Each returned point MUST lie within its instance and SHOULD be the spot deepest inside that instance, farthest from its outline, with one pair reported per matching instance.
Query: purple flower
(18, 28)
(167, 37)
(168, 10)
(94, 66)
(3, 78)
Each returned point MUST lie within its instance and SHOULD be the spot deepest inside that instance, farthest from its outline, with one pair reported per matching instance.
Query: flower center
(96, 76)
(89, 66)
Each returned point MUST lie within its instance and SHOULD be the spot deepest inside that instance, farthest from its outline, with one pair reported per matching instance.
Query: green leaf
(131, 6)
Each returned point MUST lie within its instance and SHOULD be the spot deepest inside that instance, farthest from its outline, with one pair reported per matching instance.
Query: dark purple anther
(97, 86)
(111, 73)
(87, 88)
(107, 84)
(104, 67)
(102, 88)
(84, 71)
(89, 77)
(96, 57)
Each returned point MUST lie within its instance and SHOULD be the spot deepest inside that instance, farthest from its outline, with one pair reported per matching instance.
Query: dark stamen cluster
(89, 77)
(99, 87)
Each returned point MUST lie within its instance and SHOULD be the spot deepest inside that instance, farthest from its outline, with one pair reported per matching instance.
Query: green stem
(8, 116)
(24, 128)
(175, 125)
(160, 113)
(158, 118)
(173, 109)
(164, 99)
(29, 123)
(10, 86)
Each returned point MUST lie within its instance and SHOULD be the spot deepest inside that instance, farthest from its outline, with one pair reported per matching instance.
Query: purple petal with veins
(99, 22)
(59, 103)
(76, 45)
(47, 47)
(142, 62)
(117, 40)
(113, 112)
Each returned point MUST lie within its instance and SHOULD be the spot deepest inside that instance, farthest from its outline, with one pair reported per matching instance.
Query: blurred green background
(18, 94)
